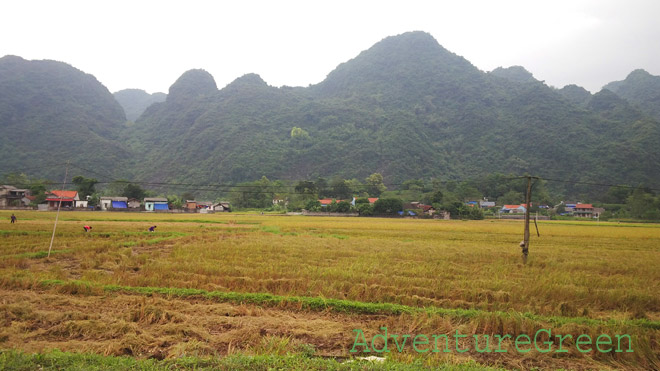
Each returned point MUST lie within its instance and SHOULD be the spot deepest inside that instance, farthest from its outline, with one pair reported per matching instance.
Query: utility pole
(528, 201)
(59, 205)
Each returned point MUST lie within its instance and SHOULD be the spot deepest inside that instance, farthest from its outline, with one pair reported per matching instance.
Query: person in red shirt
(87, 228)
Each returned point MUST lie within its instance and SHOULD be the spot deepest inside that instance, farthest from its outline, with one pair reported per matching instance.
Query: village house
(190, 206)
(513, 209)
(134, 203)
(412, 205)
(29, 200)
(156, 204)
(221, 206)
(204, 205)
(583, 210)
(12, 196)
(442, 214)
(327, 201)
(114, 203)
(426, 209)
(598, 211)
(486, 204)
(69, 199)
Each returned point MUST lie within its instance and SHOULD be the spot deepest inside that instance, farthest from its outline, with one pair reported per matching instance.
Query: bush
(342, 207)
(388, 206)
(365, 209)
(474, 213)
(313, 205)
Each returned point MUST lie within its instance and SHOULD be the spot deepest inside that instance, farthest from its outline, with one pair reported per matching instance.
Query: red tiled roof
(372, 199)
(584, 206)
(513, 206)
(64, 194)
(328, 201)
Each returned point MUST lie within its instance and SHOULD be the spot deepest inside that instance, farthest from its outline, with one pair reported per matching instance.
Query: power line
(283, 189)
(214, 186)
(598, 184)
(92, 172)
(25, 170)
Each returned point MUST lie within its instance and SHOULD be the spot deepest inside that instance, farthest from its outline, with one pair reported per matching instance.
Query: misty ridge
(406, 108)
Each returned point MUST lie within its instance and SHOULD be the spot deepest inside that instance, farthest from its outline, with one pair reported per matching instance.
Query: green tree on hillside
(304, 191)
(322, 187)
(134, 191)
(175, 201)
(643, 205)
(617, 195)
(18, 180)
(357, 188)
(185, 196)
(340, 188)
(84, 186)
(375, 185)
(258, 194)
(468, 192)
(512, 197)
(306, 187)
(413, 184)
(300, 137)
(436, 197)
(115, 188)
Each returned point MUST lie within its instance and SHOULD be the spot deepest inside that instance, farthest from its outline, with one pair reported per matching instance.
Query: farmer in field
(152, 228)
(87, 228)
(13, 218)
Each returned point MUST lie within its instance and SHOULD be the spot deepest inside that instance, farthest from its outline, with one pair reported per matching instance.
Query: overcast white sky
(148, 44)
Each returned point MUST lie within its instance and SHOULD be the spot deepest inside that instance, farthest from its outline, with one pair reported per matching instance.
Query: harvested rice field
(268, 291)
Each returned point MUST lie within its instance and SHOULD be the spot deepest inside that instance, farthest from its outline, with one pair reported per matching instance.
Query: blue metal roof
(119, 205)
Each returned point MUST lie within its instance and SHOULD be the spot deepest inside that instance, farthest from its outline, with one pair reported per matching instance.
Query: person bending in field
(87, 228)
(152, 228)
(13, 218)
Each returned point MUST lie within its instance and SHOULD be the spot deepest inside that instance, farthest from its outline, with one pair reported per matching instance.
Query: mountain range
(406, 108)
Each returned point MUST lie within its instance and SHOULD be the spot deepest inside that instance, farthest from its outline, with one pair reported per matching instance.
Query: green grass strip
(5, 233)
(58, 360)
(345, 306)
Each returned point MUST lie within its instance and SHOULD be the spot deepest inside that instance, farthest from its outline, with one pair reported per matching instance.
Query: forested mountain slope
(406, 107)
(51, 112)
(640, 88)
(136, 101)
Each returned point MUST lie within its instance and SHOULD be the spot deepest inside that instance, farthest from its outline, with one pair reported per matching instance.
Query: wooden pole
(528, 200)
(59, 205)
(536, 225)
